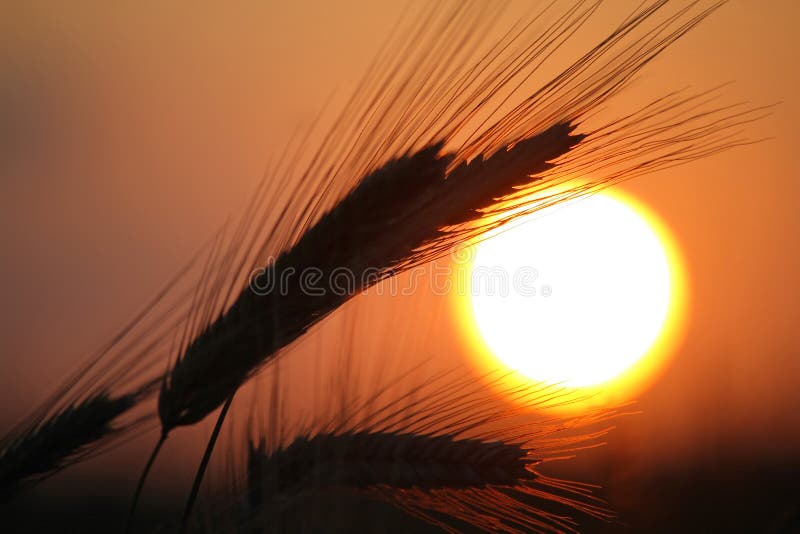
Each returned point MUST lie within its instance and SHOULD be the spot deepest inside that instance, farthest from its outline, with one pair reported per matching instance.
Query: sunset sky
(128, 133)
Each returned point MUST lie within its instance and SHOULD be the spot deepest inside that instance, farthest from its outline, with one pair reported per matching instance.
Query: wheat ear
(392, 212)
(373, 213)
(445, 451)
(417, 473)
(58, 441)
(398, 460)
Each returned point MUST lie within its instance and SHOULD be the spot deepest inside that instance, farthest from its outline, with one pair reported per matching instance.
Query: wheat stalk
(60, 440)
(400, 461)
(415, 206)
(378, 226)
(445, 451)
(466, 479)
(83, 416)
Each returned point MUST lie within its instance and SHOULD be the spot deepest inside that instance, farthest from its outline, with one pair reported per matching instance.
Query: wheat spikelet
(92, 408)
(401, 461)
(391, 195)
(58, 441)
(445, 451)
(392, 212)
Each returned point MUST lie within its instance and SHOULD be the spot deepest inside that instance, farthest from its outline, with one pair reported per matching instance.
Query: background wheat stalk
(60, 440)
(415, 472)
(444, 451)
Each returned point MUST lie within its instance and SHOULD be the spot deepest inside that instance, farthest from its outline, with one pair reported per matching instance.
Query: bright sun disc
(587, 295)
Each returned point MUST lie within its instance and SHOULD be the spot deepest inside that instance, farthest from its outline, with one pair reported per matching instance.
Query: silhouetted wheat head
(445, 451)
(469, 480)
(408, 171)
(61, 439)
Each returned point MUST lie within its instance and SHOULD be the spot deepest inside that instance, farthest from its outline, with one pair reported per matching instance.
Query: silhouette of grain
(402, 461)
(445, 451)
(58, 441)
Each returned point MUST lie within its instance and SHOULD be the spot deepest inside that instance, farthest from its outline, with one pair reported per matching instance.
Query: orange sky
(128, 135)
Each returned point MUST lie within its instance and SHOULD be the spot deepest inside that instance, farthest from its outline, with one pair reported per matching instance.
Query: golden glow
(594, 299)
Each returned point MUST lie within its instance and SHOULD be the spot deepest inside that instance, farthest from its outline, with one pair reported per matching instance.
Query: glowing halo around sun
(589, 295)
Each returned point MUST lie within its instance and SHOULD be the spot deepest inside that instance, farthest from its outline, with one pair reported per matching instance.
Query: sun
(589, 295)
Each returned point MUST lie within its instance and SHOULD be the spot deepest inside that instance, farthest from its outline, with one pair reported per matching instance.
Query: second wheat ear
(59, 441)
(447, 451)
